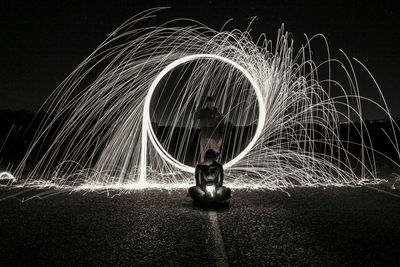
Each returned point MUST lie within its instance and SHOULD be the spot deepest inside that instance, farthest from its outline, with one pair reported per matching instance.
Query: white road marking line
(382, 191)
(220, 254)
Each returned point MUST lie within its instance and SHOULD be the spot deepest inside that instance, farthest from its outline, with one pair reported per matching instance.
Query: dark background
(43, 41)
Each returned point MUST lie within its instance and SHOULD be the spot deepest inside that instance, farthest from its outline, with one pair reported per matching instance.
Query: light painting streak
(7, 176)
(99, 134)
(147, 129)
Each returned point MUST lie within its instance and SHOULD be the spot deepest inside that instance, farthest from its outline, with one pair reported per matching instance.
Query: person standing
(211, 127)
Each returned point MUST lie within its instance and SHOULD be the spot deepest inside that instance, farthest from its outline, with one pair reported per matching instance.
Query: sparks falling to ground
(105, 117)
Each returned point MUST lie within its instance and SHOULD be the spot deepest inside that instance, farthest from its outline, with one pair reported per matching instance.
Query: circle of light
(147, 129)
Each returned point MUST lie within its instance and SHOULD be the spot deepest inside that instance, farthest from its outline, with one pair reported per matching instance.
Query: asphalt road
(314, 226)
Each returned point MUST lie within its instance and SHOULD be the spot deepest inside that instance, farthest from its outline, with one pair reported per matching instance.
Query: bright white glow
(101, 121)
(210, 189)
(7, 176)
(147, 129)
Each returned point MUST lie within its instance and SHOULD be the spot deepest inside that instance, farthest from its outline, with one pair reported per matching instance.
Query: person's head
(210, 101)
(211, 155)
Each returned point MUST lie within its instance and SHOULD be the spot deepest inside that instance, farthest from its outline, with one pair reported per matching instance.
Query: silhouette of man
(211, 127)
(209, 172)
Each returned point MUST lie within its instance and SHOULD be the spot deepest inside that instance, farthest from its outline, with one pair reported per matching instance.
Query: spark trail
(124, 117)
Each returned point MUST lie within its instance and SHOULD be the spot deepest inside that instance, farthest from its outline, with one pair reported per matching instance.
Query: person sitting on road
(209, 172)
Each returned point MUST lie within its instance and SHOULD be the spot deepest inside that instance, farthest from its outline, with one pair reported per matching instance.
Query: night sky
(43, 41)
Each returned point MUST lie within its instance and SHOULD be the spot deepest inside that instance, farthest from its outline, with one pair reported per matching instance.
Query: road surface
(312, 226)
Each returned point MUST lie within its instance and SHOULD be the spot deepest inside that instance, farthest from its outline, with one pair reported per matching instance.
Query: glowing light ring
(6, 176)
(147, 129)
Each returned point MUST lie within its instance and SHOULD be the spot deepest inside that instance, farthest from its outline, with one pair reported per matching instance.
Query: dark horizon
(44, 42)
